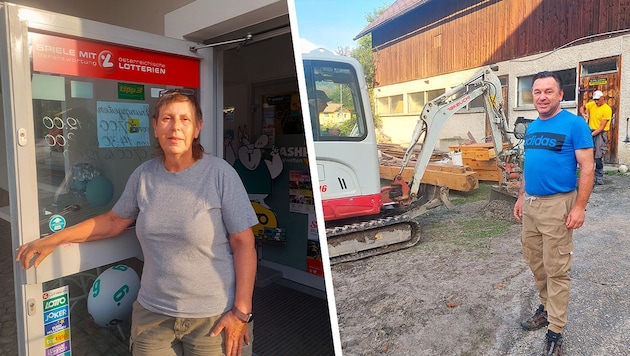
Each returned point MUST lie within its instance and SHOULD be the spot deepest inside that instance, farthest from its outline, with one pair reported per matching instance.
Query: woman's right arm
(99, 227)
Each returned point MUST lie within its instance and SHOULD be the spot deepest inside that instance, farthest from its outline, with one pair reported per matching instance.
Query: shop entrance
(77, 97)
(69, 131)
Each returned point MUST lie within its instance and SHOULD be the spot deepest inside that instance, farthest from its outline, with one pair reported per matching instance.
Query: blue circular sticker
(56, 223)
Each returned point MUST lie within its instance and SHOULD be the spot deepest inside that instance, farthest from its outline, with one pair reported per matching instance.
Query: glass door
(78, 106)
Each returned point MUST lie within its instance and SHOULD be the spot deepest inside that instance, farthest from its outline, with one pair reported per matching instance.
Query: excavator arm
(434, 116)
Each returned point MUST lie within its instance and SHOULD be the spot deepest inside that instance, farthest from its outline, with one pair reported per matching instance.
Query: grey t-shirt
(182, 222)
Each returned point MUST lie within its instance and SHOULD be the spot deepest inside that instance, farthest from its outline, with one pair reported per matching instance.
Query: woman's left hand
(236, 333)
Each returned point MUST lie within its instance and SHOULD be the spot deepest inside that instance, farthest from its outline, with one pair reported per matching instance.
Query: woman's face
(176, 127)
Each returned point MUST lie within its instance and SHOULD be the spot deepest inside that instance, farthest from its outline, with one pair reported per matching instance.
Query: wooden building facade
(438, 37)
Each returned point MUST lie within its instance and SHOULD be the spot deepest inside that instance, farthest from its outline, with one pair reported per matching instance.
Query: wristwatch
(246, 318)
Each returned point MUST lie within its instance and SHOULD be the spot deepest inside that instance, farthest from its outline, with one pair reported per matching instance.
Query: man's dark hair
(548, 74)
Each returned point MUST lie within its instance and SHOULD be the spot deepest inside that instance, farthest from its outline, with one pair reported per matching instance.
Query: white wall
(142, 15)
(203, 19)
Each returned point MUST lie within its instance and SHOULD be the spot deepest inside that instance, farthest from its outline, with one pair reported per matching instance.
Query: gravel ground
(465, 287)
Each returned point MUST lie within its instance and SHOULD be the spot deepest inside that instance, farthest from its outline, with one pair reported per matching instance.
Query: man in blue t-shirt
(549, 206)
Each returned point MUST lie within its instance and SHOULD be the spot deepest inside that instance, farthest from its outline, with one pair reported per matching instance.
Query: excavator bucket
(500, 193)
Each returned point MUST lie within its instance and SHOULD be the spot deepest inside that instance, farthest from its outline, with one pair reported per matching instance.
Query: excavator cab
(343, 134)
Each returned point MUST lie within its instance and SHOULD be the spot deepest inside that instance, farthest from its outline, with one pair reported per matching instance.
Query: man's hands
(236, 333)
(576, 217)
(518, 209)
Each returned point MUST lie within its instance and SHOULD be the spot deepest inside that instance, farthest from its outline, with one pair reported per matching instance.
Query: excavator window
(335, 101)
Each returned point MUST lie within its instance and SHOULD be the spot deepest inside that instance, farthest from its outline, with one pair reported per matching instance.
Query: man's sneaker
(536, 321)
(553, 344)
(599, 181)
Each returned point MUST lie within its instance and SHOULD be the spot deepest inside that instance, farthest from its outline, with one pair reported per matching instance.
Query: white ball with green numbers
(111, 297)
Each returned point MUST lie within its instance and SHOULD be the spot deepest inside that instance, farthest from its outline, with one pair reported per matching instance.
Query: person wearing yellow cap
(599, 118)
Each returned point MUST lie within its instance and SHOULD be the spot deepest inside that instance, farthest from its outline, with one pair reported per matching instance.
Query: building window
(569, 84)
(415, 102)
(477, 104)
(607, 66)
(568, 77)
(391, 104)
(397, 104)
(525, 96)
(382, 105)
(432, 94)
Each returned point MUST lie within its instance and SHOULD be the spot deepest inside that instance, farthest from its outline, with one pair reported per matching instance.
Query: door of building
(604, 75)
(77, 99)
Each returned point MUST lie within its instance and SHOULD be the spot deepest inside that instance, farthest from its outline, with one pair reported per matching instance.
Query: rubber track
(340, 232)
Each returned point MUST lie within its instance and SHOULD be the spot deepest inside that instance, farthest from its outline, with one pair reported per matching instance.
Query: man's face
(547, 97)
(600, 101)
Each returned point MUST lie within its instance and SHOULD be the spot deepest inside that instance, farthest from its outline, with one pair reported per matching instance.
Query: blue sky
(333, 23)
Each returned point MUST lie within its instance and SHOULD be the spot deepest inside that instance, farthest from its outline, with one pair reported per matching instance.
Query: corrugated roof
(400, 7)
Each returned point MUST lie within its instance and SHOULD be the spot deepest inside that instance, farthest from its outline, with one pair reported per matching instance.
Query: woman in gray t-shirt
(193, 221)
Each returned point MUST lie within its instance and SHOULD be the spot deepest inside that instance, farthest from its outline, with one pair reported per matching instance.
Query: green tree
(368, 59)
(363, 54)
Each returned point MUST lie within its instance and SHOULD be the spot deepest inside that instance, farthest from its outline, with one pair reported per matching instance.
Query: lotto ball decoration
(623, 168)
(111, 297)
(99, 191)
